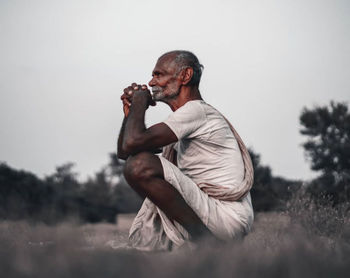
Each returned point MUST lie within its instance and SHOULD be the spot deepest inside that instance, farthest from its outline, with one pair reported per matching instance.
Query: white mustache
(156, 89)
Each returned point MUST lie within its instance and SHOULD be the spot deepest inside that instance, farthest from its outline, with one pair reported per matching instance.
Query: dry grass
(278, 246)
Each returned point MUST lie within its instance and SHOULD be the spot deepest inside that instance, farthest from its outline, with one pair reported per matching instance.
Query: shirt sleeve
(186, 120)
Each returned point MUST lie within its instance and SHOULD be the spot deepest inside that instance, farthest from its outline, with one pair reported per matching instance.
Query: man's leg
(144, 173)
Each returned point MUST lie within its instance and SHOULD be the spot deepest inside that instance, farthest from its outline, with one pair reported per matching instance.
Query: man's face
(165, 82)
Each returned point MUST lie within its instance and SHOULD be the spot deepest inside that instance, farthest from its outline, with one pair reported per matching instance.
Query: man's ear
(187, 74)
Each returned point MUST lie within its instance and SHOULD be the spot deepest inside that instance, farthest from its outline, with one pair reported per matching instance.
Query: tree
(126, 199)
(22, 194)
(269, 192)
(64, 176)
(61, 196)
(328, 147)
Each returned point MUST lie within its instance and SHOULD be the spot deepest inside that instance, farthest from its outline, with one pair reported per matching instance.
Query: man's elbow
(129, 147)
(122, 155)
(126, 149)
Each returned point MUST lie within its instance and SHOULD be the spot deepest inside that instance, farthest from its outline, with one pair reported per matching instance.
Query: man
(200, 186)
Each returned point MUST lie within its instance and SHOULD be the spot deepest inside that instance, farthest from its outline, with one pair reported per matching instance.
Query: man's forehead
(165, 62)
(167, 57)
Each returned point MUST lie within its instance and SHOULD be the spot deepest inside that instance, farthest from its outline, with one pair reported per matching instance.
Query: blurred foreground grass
(280, 245)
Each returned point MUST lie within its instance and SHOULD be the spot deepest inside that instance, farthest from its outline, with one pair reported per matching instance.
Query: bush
(270, 193)
(319, 216)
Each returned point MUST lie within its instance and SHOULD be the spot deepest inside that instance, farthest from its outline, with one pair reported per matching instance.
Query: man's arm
(120, 153)
(126, 100)
(134, 137)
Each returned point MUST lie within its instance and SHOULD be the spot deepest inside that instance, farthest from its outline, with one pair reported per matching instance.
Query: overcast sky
(63, 65)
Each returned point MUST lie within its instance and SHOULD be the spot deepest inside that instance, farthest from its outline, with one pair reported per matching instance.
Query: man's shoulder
(193, 108)
(187, 119)
(194, 104)
(211, 112)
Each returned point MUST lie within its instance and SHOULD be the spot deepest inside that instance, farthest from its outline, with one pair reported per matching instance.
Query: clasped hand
(138, 91)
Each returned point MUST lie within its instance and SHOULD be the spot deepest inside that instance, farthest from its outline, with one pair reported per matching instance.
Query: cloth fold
(153, 230)
(241, 189)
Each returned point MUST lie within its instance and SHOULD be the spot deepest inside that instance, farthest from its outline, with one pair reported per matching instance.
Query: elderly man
(200, 185)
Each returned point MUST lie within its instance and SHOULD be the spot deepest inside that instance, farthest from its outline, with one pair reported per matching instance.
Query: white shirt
(207, 150)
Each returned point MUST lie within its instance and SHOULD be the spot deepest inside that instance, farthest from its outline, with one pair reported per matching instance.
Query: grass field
(278, 246)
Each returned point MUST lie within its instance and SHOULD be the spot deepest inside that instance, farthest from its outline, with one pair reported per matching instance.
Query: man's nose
(151, 83)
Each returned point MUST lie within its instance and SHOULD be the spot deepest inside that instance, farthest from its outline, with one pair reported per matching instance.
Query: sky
(64, 64)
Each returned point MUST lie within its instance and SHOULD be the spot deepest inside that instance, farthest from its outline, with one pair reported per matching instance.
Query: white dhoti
(227, 220)
(224, 206)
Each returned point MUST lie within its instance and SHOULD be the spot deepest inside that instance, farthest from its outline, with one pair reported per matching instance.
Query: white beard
(159, 95)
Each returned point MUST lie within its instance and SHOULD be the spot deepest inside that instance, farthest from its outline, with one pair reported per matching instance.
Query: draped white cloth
(227, 212)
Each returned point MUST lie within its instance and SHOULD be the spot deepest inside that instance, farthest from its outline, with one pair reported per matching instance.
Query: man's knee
(142, 166)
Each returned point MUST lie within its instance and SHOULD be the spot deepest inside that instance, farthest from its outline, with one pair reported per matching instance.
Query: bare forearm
(121, 154)
(134, 126)
(134, 137)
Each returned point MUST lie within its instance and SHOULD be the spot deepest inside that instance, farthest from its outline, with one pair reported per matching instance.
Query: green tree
(97, 200)
(22, 194)
(66, 192)
(125, 198)
(269, 192)
(328, 147)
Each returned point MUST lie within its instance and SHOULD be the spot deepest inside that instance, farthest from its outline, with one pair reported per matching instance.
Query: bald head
(183, 59)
